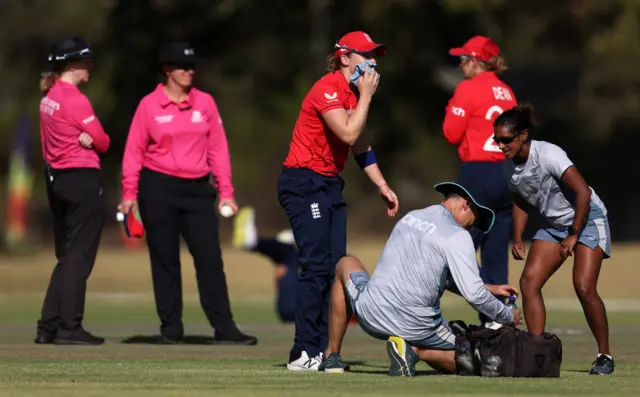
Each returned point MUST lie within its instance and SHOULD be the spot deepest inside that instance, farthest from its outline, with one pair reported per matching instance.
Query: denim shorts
(595, 234)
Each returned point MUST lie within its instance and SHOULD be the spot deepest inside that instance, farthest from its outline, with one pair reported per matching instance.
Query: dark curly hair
(518, 119)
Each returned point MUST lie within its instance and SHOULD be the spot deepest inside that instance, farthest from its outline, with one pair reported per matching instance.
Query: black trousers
(171, 207)
(76, 200)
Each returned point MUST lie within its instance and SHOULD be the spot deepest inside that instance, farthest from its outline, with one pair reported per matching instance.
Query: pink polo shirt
(185, 140)
(65, 113)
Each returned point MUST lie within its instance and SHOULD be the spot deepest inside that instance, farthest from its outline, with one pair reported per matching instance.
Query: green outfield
(120, 306)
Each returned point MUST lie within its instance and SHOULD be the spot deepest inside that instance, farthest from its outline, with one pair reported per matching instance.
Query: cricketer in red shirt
(310, 187)
(313, 144)
(468, 123)
(475, 104)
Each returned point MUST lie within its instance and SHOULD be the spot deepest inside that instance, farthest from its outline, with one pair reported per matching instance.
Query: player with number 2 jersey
(476, 103)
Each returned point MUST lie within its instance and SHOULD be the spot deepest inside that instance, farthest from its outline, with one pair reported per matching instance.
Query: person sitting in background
(282, 252)
(428, 251)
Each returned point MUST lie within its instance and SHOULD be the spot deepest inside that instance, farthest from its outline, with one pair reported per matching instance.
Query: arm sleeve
(82, 115)
(556, 161)
(137, 143)
(218, 154)
(461, 261)
(457, 114)
(324, 98)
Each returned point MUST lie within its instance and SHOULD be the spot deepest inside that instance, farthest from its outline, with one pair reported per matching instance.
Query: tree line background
(575, 60)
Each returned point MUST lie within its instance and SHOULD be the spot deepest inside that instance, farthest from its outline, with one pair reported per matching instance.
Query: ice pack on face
(360, 70)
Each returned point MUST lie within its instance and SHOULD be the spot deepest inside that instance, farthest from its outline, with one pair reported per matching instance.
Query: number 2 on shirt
(490, 145)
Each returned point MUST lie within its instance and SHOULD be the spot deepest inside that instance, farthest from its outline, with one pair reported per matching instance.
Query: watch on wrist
(571, 231)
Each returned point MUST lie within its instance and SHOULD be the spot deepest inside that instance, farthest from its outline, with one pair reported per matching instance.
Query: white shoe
(305, 363)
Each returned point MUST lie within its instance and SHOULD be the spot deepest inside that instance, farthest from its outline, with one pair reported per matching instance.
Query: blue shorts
(595, 234)
(441, 338)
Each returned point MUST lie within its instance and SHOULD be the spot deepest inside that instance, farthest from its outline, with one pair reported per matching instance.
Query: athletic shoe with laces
(305, 363)
(334, 364)
(402, 358)
(604, 365)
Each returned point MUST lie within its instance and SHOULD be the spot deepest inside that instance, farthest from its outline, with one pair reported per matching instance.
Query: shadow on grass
(351, 363)
(159, 340)
(384, 372)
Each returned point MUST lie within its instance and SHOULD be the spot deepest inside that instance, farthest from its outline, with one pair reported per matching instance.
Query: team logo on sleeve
(457, 111)
(88, 119)
(331, 97)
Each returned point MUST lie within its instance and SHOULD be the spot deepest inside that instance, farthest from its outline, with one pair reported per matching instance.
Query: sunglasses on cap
(369, 54)
(466, 58)
(504, 139)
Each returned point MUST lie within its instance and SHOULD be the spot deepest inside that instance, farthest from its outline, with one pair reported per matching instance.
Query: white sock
(610, 358)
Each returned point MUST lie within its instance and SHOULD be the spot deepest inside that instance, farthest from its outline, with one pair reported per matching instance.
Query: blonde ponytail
(47, 80)
(498, 65)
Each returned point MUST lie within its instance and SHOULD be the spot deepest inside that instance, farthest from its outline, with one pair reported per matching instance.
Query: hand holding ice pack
(360, 71)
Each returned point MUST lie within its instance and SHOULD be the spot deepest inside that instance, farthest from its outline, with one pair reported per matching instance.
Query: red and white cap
(358, 42)
(479, 47)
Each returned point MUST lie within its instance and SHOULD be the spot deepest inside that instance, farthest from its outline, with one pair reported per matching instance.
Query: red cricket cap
(133, 227)
(479, 47)
(358, 42)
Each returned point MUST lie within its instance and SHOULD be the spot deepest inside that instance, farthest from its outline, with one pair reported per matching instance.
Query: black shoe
(81, 337)
(603, 366)
(167, 340)
(234, 337)
(44, 338)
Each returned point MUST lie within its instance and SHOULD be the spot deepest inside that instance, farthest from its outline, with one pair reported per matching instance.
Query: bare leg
(543, 260)
(339, 313)
(586, 270)
(441, 360)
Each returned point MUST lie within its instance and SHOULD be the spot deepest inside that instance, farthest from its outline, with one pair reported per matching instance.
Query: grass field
(120, 305)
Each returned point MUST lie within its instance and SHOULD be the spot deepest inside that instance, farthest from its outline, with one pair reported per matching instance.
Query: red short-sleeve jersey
(313, 144)
(470, 114)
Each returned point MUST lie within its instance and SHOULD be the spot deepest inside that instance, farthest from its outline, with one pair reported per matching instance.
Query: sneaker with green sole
(334, 364)
(402, 358)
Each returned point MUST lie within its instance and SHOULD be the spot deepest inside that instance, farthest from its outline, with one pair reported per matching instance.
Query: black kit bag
(506, 352)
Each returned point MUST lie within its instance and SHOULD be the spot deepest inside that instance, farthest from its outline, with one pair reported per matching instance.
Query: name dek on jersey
(49, 106)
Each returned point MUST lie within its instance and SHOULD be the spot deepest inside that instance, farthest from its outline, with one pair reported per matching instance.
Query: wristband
(365, 159)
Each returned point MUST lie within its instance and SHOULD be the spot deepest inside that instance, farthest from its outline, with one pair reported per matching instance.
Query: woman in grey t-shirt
(544, 179)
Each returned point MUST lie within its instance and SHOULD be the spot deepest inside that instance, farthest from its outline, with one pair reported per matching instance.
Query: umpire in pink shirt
(71, 137)
(176, 142)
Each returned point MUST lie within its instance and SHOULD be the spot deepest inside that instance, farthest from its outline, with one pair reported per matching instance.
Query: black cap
(177, 52)
(486, 217)
(69, 49)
